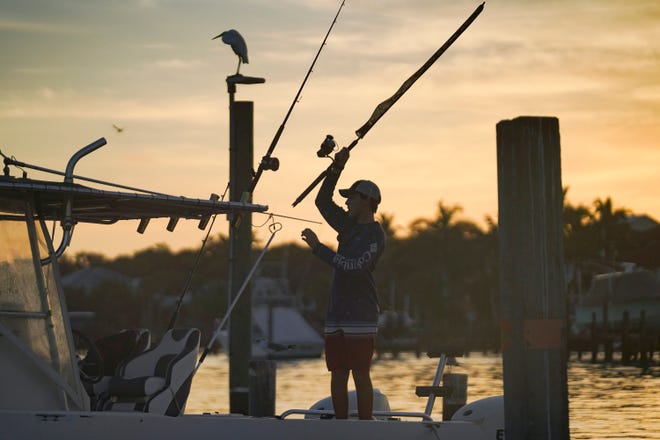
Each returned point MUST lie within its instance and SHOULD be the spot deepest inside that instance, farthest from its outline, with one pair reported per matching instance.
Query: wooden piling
(240, 244)
(594, 335)
(532, 287)
(626, 339)
(606, 336)
(593, 338)
(457, 397)
(262, 387)
(644, 346)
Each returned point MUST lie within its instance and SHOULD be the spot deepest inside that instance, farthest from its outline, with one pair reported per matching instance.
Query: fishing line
(272, 214)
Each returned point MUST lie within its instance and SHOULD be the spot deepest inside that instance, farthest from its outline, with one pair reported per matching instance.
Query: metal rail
(388, 414)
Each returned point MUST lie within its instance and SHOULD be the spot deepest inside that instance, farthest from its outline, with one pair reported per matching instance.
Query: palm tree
(579, 241)
(611, 225)
(387, 222)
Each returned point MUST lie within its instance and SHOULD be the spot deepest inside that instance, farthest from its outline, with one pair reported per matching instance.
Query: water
(605, 402)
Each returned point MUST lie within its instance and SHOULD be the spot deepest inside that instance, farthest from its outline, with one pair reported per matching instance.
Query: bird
(119, 129)
(237, 43)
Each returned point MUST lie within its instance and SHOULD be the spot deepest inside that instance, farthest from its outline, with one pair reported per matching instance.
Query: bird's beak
(217, 36)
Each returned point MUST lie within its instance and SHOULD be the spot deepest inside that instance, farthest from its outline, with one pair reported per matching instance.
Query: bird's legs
(239, 65)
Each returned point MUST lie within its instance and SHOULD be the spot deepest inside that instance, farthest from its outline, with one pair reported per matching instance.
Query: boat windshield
(30, 304)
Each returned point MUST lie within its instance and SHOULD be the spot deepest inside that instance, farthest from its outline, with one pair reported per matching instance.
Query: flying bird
(237, 43)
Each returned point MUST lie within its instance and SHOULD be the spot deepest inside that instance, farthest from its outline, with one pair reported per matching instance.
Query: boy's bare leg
(339, 391)
(365, 394)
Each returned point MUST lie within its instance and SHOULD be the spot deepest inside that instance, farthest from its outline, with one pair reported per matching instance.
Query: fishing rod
(328, 144)
(272, 163)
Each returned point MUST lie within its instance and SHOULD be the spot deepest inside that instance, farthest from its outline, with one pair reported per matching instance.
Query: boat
(279, 330)
(51, 392)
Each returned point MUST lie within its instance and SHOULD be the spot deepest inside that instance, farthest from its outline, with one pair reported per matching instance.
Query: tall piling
(240, 241)
(533, 297)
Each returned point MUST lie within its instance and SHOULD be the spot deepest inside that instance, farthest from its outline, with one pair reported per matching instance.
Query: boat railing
(377, 414)
(446, 355)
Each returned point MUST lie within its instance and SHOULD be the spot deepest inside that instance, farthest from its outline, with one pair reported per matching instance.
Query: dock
(629, 341)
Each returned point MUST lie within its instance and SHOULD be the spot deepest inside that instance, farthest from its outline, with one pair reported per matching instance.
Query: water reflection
(613, 402)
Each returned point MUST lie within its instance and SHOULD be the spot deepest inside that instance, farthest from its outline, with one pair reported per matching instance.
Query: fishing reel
(270, 163)
(327, 146)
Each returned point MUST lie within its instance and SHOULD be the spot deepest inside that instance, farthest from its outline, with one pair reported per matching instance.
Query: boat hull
(56, 425)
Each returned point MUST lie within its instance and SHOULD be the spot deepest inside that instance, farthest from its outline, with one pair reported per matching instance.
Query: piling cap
(364, 187)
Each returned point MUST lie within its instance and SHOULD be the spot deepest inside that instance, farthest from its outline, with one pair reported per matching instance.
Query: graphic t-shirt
(353, 307)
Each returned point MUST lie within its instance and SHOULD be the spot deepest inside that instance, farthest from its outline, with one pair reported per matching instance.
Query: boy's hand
(341, 157)
(309, 237)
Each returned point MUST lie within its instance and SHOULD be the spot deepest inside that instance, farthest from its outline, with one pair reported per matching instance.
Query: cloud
(48, 103)
(36, 71)
(177, 64)
(28, 26)
(47, 93)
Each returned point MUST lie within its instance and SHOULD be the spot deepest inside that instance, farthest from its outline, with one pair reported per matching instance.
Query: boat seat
(157, 380)
(116, 348)
(113, 349)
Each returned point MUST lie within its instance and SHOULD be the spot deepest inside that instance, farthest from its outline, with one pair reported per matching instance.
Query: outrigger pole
(384, 106)
(271, 163)
(274, 228)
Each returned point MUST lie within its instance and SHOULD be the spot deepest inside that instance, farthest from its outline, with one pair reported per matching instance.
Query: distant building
(635, 292)
(641, 223)
(647, 233)
(90, 278)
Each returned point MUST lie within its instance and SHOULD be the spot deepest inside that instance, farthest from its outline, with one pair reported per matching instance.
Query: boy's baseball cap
(364, 187)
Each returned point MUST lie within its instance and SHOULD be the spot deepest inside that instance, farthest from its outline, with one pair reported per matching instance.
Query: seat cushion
(135, 387)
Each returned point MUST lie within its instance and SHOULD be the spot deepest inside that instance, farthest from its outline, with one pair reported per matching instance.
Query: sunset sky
(71, 69)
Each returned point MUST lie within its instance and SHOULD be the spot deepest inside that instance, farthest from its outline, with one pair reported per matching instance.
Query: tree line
(442, 271)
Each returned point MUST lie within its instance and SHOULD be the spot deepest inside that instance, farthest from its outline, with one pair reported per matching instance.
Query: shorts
(349, 352)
